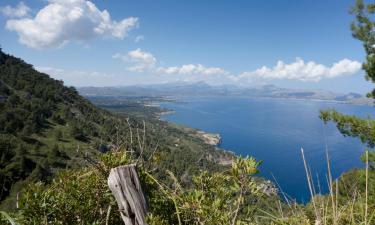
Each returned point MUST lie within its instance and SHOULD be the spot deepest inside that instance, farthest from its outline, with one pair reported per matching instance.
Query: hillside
(46, 126)
(42, 122)
(49, 131)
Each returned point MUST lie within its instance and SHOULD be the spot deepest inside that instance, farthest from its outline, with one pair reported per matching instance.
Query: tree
(58, 135)
(363, 29)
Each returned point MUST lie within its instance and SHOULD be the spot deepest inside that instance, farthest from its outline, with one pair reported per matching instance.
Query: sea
(274, 131)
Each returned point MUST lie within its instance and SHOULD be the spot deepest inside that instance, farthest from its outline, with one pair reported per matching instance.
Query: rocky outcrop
(268, 188)
(208, 138)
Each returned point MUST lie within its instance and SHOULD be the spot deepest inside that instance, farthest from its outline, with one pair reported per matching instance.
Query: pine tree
(363, 29)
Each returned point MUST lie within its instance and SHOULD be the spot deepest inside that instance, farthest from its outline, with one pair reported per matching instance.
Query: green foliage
(221, 198)
(354, 183)
(6, 218)
(83, 197)
(364, 30)
(352, 125)
(33, 107)
(74, 197)
(232, 196)
(46, 127)
(58, 135)
(229, 197)
(42, 122)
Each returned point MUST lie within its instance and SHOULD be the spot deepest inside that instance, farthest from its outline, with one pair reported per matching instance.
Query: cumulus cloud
(138, 60)
(141, 61)
(192, 69)
(21, 10)
(304, 71)
(63, 21)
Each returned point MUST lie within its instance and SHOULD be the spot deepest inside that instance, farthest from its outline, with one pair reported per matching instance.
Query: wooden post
(125, 186)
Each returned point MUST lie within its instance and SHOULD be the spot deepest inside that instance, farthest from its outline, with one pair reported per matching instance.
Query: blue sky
(219, 42)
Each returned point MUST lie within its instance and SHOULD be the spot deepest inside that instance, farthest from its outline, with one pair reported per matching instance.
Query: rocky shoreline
(209, 138)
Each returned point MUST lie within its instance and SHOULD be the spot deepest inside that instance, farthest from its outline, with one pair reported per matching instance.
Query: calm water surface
(274, 130)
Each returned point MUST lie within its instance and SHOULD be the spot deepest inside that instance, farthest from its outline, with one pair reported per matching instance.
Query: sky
(294, 44)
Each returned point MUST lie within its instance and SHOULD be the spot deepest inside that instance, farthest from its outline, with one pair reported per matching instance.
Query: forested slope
(46, 126)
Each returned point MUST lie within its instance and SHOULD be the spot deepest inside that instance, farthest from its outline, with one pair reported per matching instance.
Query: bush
(73, 197)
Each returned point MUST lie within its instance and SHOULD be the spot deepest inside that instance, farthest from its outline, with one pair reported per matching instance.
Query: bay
(274, 131)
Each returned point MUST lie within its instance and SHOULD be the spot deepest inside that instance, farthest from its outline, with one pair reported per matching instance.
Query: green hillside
(42, 123)
(46, 126)
(57, 148)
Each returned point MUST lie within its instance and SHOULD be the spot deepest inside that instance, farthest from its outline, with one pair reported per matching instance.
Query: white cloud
(189, 69)
(63, 21)
(344, 67)
(21, 10)
(139, 61)
(139, 38)
(304, 71)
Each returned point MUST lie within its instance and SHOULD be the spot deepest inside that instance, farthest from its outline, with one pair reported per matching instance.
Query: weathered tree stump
(125, 186)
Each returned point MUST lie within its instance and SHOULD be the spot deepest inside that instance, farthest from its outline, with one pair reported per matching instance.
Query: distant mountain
(204, 89)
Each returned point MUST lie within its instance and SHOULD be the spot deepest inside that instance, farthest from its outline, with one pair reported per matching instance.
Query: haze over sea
(274, 130)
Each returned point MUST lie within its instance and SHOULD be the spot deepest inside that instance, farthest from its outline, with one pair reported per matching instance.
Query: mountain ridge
(204, 89)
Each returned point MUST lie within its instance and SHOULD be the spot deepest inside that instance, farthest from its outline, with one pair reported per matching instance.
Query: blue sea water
(274, 130)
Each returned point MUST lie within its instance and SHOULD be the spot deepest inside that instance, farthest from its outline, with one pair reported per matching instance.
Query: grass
(333, 208)
(8, 218)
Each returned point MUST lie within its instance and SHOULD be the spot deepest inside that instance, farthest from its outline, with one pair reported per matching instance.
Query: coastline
(204, 114)
(213, 139)
(363, 101)
(209, 138)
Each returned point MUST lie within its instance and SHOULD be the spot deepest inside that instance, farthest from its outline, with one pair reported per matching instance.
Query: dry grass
(331, 209)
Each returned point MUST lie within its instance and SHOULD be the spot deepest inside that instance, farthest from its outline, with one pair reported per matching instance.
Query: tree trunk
(125, 186)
